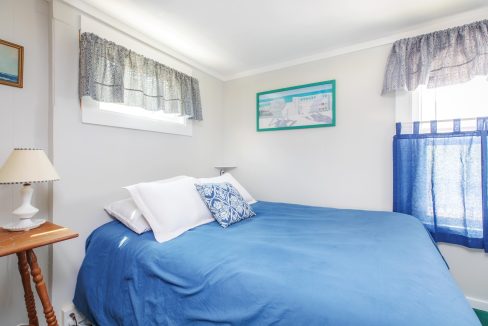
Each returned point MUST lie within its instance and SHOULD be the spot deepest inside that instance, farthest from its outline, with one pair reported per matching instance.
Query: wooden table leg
(30, 304)
(41, 289)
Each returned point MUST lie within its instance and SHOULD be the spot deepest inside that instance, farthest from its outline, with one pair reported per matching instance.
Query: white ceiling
(232, 37)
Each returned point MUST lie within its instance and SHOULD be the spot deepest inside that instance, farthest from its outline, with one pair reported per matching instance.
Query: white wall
(347, 166)
(470, 268)
(96, 161)
(24, 122)
(344, 166)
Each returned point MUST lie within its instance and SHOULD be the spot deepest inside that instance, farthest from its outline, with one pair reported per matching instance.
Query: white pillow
(227, 177)
(170, 208)
(127, 213)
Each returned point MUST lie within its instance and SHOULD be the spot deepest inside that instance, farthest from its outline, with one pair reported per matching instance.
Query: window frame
(90, 109)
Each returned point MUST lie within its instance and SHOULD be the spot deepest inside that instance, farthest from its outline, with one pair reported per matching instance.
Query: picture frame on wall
(11, 64)
(297, 107)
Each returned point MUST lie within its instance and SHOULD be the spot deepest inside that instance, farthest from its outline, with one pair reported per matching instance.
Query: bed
(288, 265)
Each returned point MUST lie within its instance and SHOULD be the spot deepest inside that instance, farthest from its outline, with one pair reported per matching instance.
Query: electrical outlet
(72, 317)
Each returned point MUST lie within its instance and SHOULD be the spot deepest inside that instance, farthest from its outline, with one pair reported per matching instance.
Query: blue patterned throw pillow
(224, 202)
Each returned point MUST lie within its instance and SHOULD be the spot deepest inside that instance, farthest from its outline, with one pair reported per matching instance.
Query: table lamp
(26, 166)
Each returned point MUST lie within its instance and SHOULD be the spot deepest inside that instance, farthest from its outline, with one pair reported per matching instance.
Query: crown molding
(431, 26)
(141, 37)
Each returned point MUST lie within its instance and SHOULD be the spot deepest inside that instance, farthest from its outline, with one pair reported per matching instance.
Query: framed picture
(11, 64)
(296, 107)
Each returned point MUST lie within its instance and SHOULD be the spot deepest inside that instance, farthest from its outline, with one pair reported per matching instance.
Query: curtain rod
(443, 120)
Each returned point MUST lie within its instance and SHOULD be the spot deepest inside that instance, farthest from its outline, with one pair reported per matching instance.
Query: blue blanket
(289, 265)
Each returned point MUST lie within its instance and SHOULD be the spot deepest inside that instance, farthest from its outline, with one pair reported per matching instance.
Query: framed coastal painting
(11, 64)
(296, 107)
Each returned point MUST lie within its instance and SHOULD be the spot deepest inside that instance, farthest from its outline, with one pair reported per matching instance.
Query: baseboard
(478, 303)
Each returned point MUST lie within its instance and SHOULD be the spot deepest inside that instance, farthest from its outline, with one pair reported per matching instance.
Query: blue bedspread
(289, 265)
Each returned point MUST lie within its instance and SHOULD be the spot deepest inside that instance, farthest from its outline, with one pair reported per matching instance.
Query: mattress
(288, 265)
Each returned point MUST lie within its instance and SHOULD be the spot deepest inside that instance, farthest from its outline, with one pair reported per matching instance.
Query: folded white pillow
(170, 208)
(127, 213)
(227, 177)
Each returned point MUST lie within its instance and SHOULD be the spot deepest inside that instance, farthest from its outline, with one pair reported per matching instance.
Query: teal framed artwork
(297, 107)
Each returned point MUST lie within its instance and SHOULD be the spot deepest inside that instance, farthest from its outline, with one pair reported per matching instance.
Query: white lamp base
(25, 212)
(24, 225)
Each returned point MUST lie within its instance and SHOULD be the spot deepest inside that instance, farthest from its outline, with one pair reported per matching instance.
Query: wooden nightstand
(22, 243)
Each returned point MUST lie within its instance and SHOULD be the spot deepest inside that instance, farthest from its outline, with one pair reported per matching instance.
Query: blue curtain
(440, 178)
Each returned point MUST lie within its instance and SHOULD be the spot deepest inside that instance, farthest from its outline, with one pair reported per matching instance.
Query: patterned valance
(442, 58)
(112, 73)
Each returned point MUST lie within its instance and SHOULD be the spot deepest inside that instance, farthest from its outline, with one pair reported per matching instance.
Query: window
(440, 148)
(124, 116)
(439, 158)
(141, 113)
(460, 101)
(133, 117)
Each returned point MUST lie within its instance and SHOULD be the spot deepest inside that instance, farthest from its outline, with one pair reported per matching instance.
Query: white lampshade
(27, 166)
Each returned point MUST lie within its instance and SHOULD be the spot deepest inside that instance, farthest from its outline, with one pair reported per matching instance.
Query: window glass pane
(466, 100)
(140, 112)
